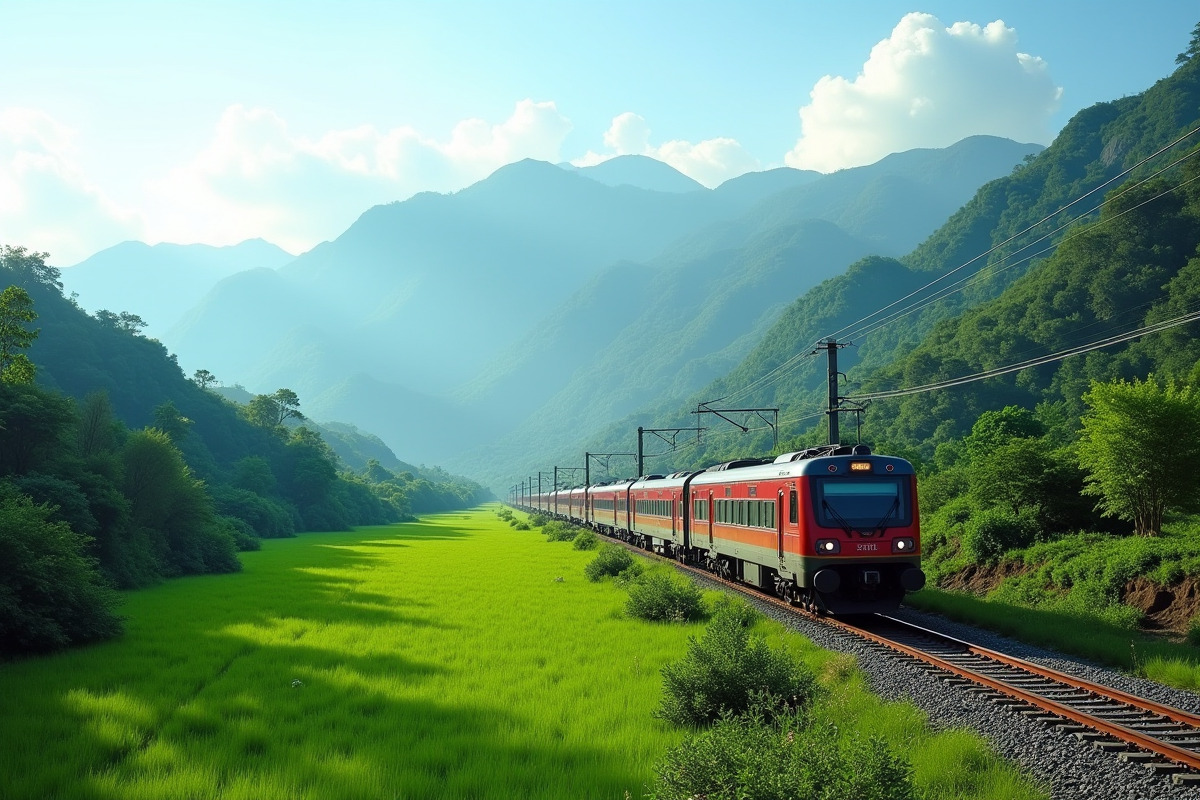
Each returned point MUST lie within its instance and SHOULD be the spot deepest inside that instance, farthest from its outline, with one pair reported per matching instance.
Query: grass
(436, 659)
(1091, 637)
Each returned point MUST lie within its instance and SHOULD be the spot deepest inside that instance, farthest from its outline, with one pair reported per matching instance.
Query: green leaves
(1141, 448)
(16, 312)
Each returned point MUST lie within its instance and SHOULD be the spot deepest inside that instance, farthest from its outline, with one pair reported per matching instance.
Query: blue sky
(218, 121)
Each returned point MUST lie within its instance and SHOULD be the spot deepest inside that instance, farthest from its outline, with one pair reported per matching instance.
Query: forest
(117, 472)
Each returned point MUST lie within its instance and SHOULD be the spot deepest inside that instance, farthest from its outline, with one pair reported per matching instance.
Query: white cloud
(927, 85)
(711, 162)
(257, 178)
(45, 201)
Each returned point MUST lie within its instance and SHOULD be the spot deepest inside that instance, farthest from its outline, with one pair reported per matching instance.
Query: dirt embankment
(1165, 608)
(981, 578)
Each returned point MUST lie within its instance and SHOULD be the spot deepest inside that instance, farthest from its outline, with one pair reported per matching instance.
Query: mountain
(1008, 294)
(657, 332)
(425, 292)
(641, 172)
(160, 282)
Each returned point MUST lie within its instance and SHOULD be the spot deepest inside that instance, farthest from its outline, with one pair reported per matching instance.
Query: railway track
(1164, 739)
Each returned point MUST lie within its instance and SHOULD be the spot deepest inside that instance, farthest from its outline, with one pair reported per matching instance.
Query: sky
(216, 122)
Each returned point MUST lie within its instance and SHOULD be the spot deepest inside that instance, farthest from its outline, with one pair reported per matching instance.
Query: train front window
(864, 504)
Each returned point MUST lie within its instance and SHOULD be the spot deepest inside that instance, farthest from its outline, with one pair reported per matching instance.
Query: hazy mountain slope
(1097, 145)
(641, 172)
(428, 290)
(160, 282)
(661, 333)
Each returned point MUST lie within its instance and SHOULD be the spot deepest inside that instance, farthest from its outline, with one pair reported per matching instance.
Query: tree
(174, 424)
(203, 378)
(1193, 47)
(1140, 448)
(125, 321)
(16, 312)
(29, 267)
(271, 410)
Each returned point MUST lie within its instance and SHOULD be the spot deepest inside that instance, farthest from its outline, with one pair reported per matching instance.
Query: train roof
(818, 465)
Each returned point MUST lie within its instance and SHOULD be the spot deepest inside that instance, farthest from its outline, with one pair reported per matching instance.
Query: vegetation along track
(1163, 738)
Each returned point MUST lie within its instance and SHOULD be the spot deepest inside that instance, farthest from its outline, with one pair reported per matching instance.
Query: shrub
(988, 534)
(51, 594)
(1193, 631)
(505, 514)
(522, 526)
(629, 574)
(538, 520)
(663, 597)
(585, 540)
(769, 756)
(725, 671)
(558, 531)
(611, 560)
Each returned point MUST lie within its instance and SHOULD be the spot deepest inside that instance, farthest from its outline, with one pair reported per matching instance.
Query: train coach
(834, 529)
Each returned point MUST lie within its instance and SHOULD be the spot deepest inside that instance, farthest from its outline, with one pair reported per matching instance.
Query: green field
(433, 659)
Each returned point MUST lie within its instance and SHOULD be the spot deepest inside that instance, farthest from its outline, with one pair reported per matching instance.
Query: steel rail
(1179, 755)
(1189, 759)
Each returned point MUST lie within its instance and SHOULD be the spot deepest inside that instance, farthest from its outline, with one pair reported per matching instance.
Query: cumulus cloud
(710, 162)
(46, 203)
(927, 85)
(257, 178)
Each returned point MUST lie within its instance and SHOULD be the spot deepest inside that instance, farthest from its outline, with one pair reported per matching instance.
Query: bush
(988, 534)
(538, 520)
(51, 594)
(768, 756)
(505, 514)
(725, 671)
(585, 540)
(558, 531)
(522, 526)
(662, 597)
(611, 560)
(1193, 631)
(629, 574)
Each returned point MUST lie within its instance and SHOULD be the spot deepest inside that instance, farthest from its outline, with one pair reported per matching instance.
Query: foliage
(585, 540)
(538, 520)
(270, 411)
(725, 671)
(1141, 448)
(661, 596)
(761, 755)
(610, 561)
(16, 312)
(559, 531)
(989, 533)
(51, 594)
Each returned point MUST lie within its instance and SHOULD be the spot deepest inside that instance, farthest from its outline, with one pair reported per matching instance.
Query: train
(832, 529)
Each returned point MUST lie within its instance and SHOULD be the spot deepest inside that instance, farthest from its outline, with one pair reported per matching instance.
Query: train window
(861, 502)
(755, 514)
(768, 515)
(793, 513)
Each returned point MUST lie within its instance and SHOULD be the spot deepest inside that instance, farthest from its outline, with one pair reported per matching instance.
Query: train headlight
(903, 545)
(828, 547)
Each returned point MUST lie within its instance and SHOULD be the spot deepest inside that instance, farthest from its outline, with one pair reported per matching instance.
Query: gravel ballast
(1073, 769)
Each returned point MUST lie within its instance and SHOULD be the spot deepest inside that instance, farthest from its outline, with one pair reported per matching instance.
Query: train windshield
(862, 503)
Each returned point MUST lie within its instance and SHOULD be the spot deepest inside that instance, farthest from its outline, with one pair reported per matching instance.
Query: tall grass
(1088, 636)
(434, 659)
(448, 658)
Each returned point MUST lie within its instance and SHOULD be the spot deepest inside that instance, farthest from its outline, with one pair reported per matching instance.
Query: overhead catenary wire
(777, 373)
(990, 270)
(1017, 235)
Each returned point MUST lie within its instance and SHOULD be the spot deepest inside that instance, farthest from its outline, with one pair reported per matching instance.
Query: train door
(710, 519)
(779, 525)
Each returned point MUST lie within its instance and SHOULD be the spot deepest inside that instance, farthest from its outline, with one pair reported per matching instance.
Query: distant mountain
(160, 282)
(659, 331)
(1025, 298)
(640, 172)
